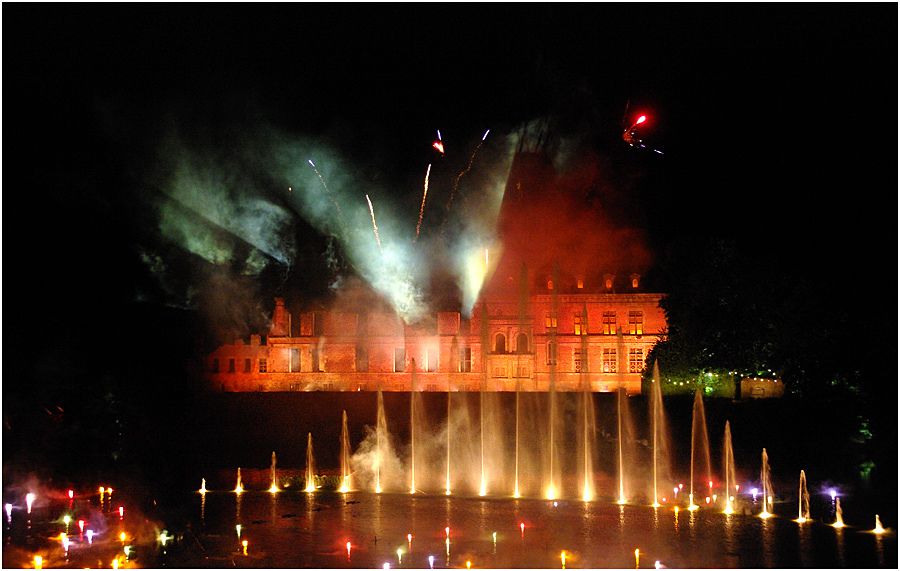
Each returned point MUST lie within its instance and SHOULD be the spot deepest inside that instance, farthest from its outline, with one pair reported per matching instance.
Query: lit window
(635, 360)
(551, 353)
(609, 360)
(609, 322)
(635, 280)
(580, 325)
(500, 343)
(580, 284)
(608, 283)
(246, 365)
(230, 365)
(431, 361)
(362, 359)
(399, 360)
(316, 360)
(636, 322)
(295, 361)
(549, 284)
(522, 343)
(580, 361)
(465, 360)
(215, 366)
(550, 322)
(263, 366)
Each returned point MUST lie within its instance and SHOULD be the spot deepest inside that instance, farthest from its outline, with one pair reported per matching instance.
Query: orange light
(438, 146)
(38, 562)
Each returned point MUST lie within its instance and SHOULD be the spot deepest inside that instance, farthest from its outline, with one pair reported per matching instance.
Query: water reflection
(839, 543)
(805, 544)
(767, 527)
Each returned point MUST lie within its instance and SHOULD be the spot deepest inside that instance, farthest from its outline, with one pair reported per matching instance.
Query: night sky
(778, 125)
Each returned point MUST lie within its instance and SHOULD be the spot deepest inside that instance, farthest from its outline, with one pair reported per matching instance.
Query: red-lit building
(542, 317)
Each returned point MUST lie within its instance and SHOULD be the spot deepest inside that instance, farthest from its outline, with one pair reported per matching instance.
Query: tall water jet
(412, 430)
(765, 478)
(485, 343)
(380, 441)
(730, 477)
(838, 514)
(554, 303)
(803, 509)
(238, 488)
(202, 489)
(274, 487)
(345, 455)
(588, 424)
(310, 465)
(659, 436)
(879, 529)
(523, 313)
(620, 405)
(447, 481)
(698, 433)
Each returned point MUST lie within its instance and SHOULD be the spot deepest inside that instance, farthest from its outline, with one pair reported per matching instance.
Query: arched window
(522, 343)
(500, 343)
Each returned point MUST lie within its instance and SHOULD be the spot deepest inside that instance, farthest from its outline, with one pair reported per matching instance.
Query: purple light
(833, 493)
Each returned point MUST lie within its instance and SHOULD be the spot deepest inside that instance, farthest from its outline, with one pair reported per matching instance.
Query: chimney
(279, 319)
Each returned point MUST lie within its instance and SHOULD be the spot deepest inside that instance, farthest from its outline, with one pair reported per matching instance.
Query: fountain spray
(803, 509)
(310, 465)
(447, 483)
(412, 416)
(485, 343)
(274, 489)
(620, 394)
(838, 514)
(345, 455)
(380, 441)
(698, 429)
(239, 488)
(729, 470)
(766, 479)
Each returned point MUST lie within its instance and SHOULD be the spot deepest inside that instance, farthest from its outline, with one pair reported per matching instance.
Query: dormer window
(608, 281)
(549, 284)
(580, 283)
(635, 281)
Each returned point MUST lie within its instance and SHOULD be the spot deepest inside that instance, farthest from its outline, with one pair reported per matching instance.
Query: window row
(635, 323)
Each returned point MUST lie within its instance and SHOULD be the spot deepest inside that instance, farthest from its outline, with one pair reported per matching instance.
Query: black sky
(778, 121)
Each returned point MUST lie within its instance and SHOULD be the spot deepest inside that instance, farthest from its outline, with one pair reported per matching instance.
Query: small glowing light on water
(494, 536)
(273, 489)
(90, 536)
(555, 504)
(680, 486)
(237, 528)
(765, 515)
(551, 493)
(801, 519)
(431, 561)
(8, 508)
(127, 551)
(348, 549)
(676, 509)
(102, 490)
(121, 512)
(29, 500)
(65, 541)
(71, 494)
(710, 484)
(386, 566)
(109, 491)
(656, 504)
(562, 557)
(715, 497)
(244, 545)
(122, 537)
(878, 527)
(408, 538)
(115, 563)
(67, 519)
(399, 556)
(755, 493)
(637, 558)
(737, 488)
(621, 501)
(707, 499)
(468, 564)
(447, 531)
(38, 562)
(164, 538)
(81, 526)
(657, 565)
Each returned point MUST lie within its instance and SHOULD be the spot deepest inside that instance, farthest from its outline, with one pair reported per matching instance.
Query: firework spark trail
(327, 192)
(466, 171)
(374, 226)
(422, 208)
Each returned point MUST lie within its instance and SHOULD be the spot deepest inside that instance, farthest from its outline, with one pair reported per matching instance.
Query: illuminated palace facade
(538, 320)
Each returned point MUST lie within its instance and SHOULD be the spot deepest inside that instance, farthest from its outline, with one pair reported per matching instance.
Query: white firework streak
(374, 226)
(422, 208)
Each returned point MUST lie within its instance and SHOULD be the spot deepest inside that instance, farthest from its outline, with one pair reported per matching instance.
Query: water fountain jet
(238, 488)
(345, 456)
(803, 509)
(838, 514)
(730, 476)
(698, 430)
(766, 480)
(274, 489)
(310, 465)
(879, 529)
